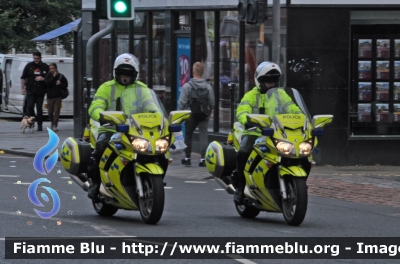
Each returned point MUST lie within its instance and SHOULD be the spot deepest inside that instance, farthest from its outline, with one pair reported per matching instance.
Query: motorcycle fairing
(151, 168)
(255, 171)
(112, 182)
(291, 121)
(295, 171)
(148, 120)
(105, 157)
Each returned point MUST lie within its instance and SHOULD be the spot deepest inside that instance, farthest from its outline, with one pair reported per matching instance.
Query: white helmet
(128, 65)
(267, 72)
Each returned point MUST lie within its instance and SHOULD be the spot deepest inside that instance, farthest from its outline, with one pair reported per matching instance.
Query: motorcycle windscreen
(285, 101)
(140, 100)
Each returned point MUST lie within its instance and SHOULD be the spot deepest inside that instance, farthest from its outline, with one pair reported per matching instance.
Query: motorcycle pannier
(75, 155)
(220, 159)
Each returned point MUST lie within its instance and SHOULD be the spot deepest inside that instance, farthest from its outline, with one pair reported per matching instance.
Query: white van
(5, 66)
(12, 91)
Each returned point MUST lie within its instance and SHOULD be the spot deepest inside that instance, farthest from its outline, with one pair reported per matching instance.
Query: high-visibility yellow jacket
(106, 99)
(274, 103)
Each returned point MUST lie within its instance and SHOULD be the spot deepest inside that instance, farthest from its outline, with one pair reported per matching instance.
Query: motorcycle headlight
(161, 145)
(140, 144)
(285, 148)
(305, 148)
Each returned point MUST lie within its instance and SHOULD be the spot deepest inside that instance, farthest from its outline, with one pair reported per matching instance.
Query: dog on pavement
(27, 122)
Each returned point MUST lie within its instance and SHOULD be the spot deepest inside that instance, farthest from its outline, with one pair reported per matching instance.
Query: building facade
(343, 57)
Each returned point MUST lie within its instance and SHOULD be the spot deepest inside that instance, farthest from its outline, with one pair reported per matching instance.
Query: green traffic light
(120, 7)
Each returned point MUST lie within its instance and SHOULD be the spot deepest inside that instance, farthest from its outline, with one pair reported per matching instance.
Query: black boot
(239, 188)
(94, 175)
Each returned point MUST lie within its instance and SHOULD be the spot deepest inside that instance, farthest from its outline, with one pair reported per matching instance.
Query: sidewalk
(369, 184)
(12, 141)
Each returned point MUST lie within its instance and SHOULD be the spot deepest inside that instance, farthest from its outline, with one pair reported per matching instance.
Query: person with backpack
(56, 82)
(197, 95)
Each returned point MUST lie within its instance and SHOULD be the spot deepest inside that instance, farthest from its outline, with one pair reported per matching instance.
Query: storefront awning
(57, 32)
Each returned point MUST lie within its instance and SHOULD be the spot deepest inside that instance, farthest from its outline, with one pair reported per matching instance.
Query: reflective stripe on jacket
(275, 103)
(106, 98)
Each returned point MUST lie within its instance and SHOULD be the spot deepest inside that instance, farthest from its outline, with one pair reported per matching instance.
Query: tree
(23, 20)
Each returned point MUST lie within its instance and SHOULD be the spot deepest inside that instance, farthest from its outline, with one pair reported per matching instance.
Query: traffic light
(253, 11)
(120, 9)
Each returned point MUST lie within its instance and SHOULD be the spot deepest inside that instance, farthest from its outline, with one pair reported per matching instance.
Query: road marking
(105, 230)
(240, 259)
(219, 189)
(65, 177)
(168, 187)
(9, 175)
(195, 182)
(13, 157)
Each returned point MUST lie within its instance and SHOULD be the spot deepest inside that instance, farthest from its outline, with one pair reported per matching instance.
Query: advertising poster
(365, 48)
(364, 91)
(382, 91)
(183, 64)
(183, 68)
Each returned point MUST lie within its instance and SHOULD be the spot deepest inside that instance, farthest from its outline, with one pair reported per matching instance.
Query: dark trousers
(191, 125)
(53, 108)
(101, 145)
(31, 100)
(246, 146)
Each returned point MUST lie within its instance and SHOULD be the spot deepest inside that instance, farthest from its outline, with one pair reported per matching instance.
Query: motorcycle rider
(108, 98)
(258, 101)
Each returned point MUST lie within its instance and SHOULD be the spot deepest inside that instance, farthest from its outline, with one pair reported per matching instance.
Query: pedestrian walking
(197, 95)
(33, 85)
(55, 82)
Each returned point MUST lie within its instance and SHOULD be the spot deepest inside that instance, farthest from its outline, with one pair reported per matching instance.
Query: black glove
(248, 126)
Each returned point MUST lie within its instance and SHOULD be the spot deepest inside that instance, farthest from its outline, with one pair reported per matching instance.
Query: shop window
(376, 81)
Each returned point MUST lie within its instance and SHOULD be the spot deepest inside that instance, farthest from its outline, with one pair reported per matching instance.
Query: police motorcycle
(277, 169)
(133, 166)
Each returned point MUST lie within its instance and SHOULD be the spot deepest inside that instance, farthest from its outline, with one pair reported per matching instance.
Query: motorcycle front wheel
(152, 205)
(295, 206)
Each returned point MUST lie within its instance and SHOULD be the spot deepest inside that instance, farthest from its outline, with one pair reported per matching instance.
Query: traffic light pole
(89, 63)
(276, 31)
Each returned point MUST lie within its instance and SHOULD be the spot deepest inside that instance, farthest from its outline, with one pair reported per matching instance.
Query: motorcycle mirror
(175, 128)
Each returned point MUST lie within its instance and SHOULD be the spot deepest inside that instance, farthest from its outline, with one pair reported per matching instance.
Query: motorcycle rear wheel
(152, 205)
(104, 209)
(295, 206)
(247, 211)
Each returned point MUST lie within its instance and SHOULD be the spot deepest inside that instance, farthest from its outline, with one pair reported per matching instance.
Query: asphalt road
(193, 208)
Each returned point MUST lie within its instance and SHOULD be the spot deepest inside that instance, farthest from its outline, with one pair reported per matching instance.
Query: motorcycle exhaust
(83, 185)
(229, 188)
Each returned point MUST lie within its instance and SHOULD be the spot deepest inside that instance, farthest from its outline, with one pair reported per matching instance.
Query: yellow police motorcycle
(279, 164)
(133, 166)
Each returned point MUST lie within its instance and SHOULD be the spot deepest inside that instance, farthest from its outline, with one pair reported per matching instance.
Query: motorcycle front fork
(282, 185)
(139, 186)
